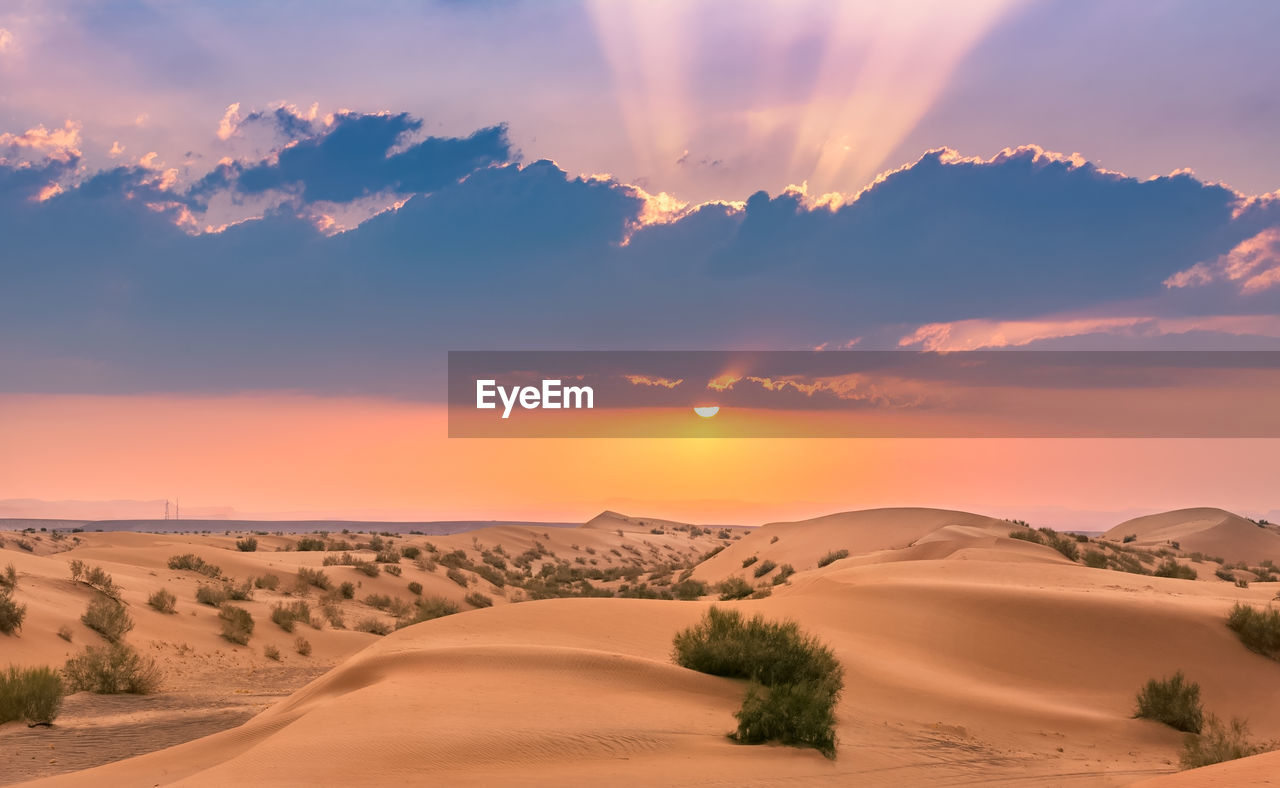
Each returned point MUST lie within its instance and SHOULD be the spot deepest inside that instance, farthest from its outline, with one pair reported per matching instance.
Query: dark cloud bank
(103, 289)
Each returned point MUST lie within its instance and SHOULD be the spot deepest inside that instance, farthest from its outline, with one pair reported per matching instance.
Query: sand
(971, 659)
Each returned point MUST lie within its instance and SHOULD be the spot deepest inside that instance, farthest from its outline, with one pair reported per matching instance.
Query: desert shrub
(1173, 701)
(31, 694)
(784, 572)
(1242, 582)
(367, 568)
(477, 599)
(285, 616)
(1218, 743)
(302, 646)
(410, 552)
(113, 669)
(240, 593)
(415, 588)
(237, 623)
(267, 582)
(1224, 574)
(832, 557)
(1259, 630)
(271, 652)
(310, 544)
(213, 596)
(765, 568)
(374, 626)
(97, 577)
(433, 607)
(9, 579)
(457, 576)
(733, 588)
(247, 545)
(1063, 544)
(194, 563)
(347, 590)
(1095, 559)
(163, 600)
(108, 618)
(689, 589)
(11, 613)
(65, 633)
(795, 680)
(333, 614)
(1025, 535)
(746, 562)
(314, 577)
(1171, 568)
(1130, 538)
(388, 555)
(392, 569)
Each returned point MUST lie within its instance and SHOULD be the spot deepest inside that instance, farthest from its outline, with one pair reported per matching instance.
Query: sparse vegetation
(477, 599)
(374, 626)
(1173, 701)
(285, 616)
(30, 694)
(65, 633)
(733, 588)
(271, 652)
(795, 680)
(313, 577)
(163, 600)
(108, 618)
(1258, 629)
(832, 557)
(1219, 742)
(432, 607)
(458, 577)
(784, 573)
(689, 589)
(765, 568)
(746, 562)
(247, 545)
(213, 596)
(267, 582)
(302, 646)
(237, 623)
(1171, 568)
(1130, 538)
(194, 563)
(415, 588)
(347, 590)
(112, 669)
(12, 614)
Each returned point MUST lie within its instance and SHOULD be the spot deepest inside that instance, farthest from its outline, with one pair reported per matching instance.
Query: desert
(974, 650)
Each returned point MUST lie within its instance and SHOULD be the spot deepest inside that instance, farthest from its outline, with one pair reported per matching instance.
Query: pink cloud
(1254, 264)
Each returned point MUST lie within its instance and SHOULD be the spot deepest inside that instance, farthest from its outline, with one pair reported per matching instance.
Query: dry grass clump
(285, 616)
(163, 600)
(267, 582)
(95, 577)
(271, 652)
(237, 623)
(12, 614)
(302, 646)
(765, 568)
(832, 557)
(194, 563)
(213, 596)
(312, 577)
(432, 607)
(112, 669)
(1258, 629)
(734, 588)
(247, 545)
(1220, 742)
(30, 694)
(477, 599)
(374, 626)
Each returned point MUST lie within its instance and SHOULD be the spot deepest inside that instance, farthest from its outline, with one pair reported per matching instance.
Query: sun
(706, 411)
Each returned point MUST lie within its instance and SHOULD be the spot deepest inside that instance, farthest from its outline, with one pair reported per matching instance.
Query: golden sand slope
(989, 661)
(1214, 532)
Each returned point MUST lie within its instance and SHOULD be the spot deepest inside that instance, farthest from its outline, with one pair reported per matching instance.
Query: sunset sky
(232, 259)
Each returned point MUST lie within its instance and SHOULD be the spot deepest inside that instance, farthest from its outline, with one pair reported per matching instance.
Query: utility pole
(166, 508)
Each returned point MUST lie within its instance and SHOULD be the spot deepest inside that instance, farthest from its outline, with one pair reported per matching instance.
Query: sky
(237, 240)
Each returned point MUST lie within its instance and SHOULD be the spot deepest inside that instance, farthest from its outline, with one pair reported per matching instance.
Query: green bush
(765, 568)
(477, 599)
(733, 588)
(832, 557)
(795, 680)
(1218, 743)
(237, 623)
(213, 596)
(432, 607)
(108, 618)
(113, 669)
(689, 589)
(1173, 701)
(247, 545)
(1171, 568)
(11, 613)
(31, 694)
(302, 646)
(1259, 630)
(163, 600)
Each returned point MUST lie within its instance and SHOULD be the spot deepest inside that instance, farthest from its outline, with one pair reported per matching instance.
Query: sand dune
(1214, 532)
(971, 658)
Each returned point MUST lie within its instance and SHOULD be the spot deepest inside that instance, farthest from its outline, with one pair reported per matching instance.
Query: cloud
(365, 250)
(58, 144)
(6, 40)
(645, 380)
(1253, 264)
